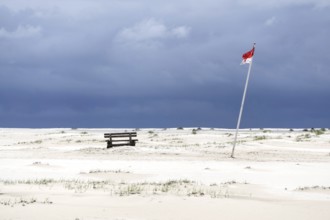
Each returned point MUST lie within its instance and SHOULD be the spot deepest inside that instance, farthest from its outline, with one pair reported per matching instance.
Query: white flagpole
(242, 106)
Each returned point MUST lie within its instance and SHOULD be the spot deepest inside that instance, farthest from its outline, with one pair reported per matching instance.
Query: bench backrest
(114, 135)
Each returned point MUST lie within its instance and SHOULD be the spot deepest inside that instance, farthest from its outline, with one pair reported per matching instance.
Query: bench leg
(109, 144)
(132, 143)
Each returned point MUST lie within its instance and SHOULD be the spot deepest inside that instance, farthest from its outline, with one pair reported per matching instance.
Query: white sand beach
(170, 174)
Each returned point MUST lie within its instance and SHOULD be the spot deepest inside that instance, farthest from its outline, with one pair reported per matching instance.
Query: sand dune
(170, 174)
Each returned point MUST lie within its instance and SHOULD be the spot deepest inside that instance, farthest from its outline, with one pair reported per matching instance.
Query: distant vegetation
(259, 138)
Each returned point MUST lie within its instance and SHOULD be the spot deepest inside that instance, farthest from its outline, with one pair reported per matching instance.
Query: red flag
(247, 57)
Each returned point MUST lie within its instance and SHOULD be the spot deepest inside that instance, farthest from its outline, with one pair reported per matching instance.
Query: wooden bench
(120, 139)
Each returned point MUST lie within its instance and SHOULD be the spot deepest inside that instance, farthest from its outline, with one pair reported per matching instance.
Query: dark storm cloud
(163, 63)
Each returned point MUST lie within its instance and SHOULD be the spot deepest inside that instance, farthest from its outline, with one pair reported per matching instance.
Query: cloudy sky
(163, 63)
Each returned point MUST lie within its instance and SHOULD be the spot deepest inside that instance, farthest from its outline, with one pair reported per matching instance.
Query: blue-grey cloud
(163, 64)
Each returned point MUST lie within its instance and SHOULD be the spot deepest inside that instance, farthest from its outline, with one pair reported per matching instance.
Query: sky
(164, 63)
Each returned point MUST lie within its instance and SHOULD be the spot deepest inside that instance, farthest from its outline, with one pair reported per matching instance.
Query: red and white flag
(247, 57)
